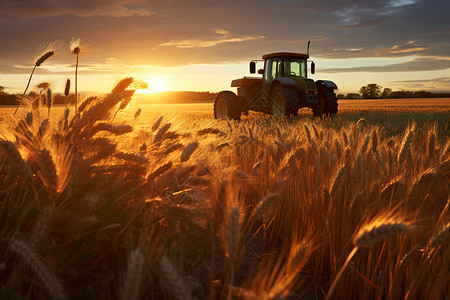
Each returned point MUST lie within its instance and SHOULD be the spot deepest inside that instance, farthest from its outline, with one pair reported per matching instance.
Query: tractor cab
(279, 67)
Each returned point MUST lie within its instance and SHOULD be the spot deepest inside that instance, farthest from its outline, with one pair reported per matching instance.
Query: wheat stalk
(75, 48)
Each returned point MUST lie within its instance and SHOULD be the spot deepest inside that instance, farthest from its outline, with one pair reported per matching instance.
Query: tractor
(283, 89)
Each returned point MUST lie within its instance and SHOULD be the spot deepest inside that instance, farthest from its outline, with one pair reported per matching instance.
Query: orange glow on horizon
(156, 84)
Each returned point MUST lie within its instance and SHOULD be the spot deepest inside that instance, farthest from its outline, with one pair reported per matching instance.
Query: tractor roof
(285, 55)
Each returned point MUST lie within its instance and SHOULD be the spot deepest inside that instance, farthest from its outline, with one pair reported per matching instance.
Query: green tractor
(283, 89)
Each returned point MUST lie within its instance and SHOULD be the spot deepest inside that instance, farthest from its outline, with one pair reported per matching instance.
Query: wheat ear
(187, 152)
(265, 205)
(173, 281)
(25, 251)
(161, 132)
(442, 237)
(38, 62)
(66, 91)
(413, 255)
(405, 145)
(337, 182)
(380, 228)
(134, 275)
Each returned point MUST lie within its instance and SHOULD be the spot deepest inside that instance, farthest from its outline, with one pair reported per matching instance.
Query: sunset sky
(201, 45)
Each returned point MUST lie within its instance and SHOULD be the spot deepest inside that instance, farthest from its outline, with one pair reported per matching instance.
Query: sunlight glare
(156, 84)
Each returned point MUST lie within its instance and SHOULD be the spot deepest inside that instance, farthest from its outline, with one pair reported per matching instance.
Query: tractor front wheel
(228, 105)
(284, 101)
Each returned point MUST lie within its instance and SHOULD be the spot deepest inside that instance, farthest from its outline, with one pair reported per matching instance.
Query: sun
(156, 84)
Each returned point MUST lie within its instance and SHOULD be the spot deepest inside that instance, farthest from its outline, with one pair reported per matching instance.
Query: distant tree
(423, 94)
(353, 96)
(340, 96)
(386, 93)
(2, 89)
(402, 94)
(370, 91)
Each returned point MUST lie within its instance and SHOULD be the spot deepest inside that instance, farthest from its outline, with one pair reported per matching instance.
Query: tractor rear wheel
(331, 106)
(228, 105)
(284, 101)
(328, 104)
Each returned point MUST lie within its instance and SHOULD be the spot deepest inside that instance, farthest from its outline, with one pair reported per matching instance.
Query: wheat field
(111, 203)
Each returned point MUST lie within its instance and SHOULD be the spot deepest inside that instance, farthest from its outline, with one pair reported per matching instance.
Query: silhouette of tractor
(283, 89)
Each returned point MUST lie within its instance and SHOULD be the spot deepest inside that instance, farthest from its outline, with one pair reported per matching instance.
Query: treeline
(162, 97)
(374, 91)
(9, 99)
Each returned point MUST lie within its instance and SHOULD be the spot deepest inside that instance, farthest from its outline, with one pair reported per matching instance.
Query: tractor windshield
(295, 67)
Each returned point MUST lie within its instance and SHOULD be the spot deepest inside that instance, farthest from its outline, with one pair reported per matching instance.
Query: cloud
(440, 83)
(81, 8)
(365, 14)
(183, 32)
(222, 36)
(409, 47)
(413, 65)
(398, 50)
(220, 31)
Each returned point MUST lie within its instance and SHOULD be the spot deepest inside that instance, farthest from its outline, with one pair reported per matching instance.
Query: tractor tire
(284, 101)
(319, 109)
(228, 105)
(331, 103)
(328, 104)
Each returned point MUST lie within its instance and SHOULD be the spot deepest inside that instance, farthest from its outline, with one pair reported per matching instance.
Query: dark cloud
(417, 64)
(83, 8)
(182, 32)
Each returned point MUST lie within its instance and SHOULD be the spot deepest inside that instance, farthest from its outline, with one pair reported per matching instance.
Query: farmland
(112, 203)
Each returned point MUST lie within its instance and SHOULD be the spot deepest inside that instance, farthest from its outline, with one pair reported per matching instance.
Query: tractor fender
(327, 84)
(283, 81)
